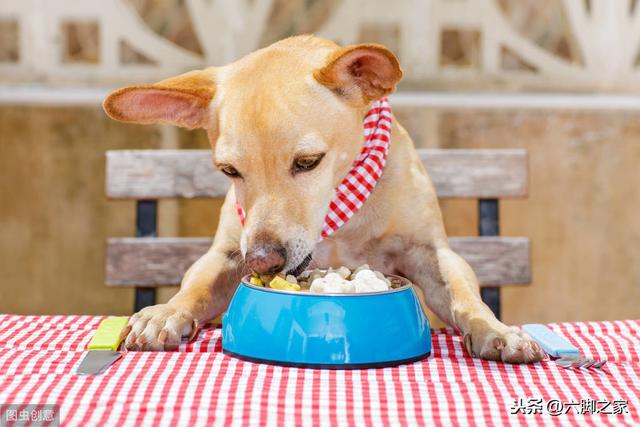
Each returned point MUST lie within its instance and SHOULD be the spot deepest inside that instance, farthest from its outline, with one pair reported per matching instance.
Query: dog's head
(285, 124)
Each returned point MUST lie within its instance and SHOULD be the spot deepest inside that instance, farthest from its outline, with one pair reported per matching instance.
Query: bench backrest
(161, 174)
(149, 175)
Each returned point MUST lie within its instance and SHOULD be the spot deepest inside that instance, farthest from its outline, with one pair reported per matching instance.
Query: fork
(565, 354)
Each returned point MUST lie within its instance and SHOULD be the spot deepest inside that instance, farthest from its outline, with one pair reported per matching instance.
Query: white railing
(607, 34)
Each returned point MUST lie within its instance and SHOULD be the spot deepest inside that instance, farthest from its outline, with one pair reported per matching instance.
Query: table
(199, 385)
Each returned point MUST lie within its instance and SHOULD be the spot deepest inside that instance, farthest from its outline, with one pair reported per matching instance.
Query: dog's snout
(266, 258)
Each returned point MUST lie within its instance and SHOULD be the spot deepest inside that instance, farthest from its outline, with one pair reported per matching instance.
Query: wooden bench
(147, 261)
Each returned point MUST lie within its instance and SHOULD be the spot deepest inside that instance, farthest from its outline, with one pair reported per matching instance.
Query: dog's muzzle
(301, 267)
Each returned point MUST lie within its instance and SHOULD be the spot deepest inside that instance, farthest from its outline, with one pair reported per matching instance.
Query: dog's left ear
(183, 100)
(361, 73)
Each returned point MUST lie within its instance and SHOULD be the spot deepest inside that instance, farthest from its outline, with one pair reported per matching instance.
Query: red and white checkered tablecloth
(198, 385)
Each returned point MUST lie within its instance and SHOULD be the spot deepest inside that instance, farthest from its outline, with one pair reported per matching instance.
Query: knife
(103, 347)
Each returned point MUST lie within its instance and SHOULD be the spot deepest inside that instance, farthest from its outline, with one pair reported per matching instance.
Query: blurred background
(558, 78)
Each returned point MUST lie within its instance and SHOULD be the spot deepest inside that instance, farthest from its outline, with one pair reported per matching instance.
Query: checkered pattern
(365, 172)
(198, 385)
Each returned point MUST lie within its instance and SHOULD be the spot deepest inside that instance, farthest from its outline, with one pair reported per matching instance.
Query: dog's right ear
(183, 100)
(361, 73)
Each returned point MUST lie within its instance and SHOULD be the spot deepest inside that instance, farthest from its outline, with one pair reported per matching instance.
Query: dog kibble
(343, 272)
(332, 283)
(255, 280)
(359, 269)
(315, 274)
(368, 281)
(283, 285)
(340, 280)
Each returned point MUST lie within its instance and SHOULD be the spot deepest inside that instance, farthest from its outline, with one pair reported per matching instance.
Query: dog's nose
(266, 258)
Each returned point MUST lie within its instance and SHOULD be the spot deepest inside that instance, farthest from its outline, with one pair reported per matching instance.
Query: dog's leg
(205, 292)
(451, 291)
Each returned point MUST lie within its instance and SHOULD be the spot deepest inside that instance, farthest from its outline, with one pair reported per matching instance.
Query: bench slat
(162, 261)
(157, 174)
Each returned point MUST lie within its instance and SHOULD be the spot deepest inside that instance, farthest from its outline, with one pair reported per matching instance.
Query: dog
(285, 125)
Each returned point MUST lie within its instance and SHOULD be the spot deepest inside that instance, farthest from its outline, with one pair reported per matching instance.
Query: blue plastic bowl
(336, 331)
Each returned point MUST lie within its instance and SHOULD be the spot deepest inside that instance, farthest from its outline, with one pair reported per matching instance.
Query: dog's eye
(230, 171)
(306, 163)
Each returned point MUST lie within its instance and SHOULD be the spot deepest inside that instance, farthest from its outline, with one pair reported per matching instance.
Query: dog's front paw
(509, 345)
(159, 327)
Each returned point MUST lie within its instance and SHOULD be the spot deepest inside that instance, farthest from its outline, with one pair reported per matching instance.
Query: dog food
(283, 284)
(334, 281)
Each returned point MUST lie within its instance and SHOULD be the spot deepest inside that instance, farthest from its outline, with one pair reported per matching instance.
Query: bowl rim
(406, 285)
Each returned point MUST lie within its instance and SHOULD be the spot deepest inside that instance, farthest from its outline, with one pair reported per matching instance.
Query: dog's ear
(182, 100)
(361, 73)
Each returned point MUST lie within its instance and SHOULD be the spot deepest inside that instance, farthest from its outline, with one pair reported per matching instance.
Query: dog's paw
(510, 345)
(156, 328)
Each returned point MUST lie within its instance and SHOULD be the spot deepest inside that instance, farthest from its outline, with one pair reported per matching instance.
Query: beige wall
(582, 213)
(53, 214)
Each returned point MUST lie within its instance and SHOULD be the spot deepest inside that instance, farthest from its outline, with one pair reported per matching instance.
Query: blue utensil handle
(550, 342)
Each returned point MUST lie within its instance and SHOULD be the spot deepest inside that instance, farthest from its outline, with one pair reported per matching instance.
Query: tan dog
(285, 124)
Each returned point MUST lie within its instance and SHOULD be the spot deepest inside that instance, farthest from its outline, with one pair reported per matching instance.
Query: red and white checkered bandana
(364, 174)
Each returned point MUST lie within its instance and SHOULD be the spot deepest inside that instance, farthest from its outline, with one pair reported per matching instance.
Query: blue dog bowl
(335, 331)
